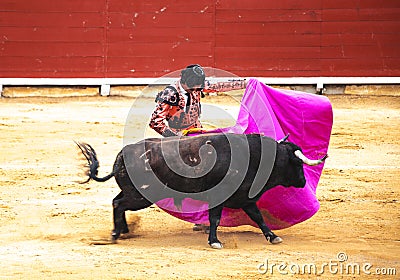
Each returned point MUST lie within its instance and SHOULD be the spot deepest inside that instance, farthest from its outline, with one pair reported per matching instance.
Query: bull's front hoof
(276, 240)
(273, 238)
(216, 245)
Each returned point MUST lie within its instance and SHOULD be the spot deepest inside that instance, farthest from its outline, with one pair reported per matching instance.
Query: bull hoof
(198, 227)
(114, 236)
(113, 240)
(273, 238)
(276, 240)
(216, 245)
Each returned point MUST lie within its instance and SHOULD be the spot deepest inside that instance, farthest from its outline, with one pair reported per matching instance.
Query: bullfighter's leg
(122, 204)
(214, 216)
(254, 213)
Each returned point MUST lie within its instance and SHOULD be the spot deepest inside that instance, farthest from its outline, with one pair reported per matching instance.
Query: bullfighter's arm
(158, 120)
(225, 86)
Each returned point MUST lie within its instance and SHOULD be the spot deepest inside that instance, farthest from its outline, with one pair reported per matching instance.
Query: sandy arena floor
(51, 225)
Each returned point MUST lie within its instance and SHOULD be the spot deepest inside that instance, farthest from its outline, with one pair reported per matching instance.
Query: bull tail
(93, 163)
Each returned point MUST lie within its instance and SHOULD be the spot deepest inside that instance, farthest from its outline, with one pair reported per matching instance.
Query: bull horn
(308, 161)
(284, 138)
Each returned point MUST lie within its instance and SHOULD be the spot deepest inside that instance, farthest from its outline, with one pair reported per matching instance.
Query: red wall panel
(135, 38)
(47, 38)
(268, 15)
(53, 6)
(50, 35)
(149, 39)
(269, 5)
(358, 38)
(51, 19)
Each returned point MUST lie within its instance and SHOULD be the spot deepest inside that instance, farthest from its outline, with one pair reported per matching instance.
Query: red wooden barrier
(134, 38)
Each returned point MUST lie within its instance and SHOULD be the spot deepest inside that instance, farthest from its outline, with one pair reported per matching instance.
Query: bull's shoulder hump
(214, 138)
(268, 139)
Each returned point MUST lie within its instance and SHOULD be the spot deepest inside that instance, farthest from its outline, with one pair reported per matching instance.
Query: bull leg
(120, 225)
(122, 203)
(214, 216)
(254, 213)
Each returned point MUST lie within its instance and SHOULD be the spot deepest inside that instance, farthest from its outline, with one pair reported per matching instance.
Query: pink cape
(274, 112)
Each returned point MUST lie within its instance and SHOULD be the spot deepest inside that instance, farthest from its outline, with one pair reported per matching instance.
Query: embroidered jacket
(177, 109)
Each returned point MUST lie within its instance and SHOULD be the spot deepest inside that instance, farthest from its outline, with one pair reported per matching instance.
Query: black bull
(225, 170)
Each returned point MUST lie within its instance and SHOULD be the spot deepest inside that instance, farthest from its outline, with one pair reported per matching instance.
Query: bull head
(308, 161)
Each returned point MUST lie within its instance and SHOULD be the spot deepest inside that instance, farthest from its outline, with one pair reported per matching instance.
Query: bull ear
(284, 138)
(308, 161)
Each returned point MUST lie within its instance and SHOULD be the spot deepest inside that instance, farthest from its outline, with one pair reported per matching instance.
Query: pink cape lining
(275, 112)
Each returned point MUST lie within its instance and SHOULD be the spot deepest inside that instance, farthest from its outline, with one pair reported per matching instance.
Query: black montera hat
(193, 75)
